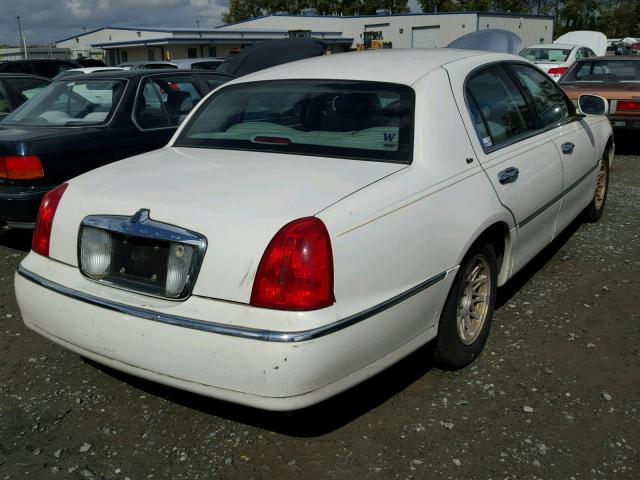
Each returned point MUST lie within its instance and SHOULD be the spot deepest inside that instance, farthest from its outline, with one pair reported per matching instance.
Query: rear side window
(165, 101)
(68, 104)
(549, 102)
(604, 71)
(25, 89)
(500, 112)
(344, 119)
(5, 107)
(214, 81)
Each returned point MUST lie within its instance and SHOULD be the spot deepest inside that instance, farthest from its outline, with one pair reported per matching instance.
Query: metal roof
(200, 40)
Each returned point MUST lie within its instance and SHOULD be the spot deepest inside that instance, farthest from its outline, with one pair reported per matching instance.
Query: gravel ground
(554, 395)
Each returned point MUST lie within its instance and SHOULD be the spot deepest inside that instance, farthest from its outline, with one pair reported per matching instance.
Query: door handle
(567, 148)
(508, 175)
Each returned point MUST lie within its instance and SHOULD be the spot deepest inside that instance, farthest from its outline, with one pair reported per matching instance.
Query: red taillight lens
(296, 270)
(628, 105)
(44, 222)
(557, 70)
(20, 167)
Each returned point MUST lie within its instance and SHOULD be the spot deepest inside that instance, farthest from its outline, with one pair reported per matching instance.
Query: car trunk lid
(237, 199)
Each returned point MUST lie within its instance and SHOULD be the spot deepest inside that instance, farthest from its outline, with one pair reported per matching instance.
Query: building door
(425, 37)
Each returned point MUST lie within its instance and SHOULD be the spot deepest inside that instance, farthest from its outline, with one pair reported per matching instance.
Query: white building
(416, 30)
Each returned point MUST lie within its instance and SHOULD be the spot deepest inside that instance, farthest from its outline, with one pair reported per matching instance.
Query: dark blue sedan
(80, 123)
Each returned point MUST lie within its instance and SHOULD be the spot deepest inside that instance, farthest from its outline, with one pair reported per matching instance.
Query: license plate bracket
(139, 262)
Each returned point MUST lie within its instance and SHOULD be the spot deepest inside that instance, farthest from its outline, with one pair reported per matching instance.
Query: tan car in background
(615, 78)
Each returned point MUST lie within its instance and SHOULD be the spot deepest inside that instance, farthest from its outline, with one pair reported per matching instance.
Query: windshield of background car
(72, 103)
(543, 55)
(329, 118)
(604, 71)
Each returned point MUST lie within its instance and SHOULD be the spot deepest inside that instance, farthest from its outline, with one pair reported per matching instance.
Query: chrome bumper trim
(221, 329)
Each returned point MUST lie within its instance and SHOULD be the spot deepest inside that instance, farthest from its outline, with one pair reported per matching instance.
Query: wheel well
(498, 236)
(608, 150)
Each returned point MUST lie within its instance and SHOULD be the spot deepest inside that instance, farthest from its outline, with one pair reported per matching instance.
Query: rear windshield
(346, 119)
(604, 71)
(72, 103)
(545, 55)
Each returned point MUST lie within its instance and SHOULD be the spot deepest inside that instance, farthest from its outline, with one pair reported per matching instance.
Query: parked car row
(307, 226)
(556, 58)
(46, 67)
(81, 122)
(578, 63)
(615, 78)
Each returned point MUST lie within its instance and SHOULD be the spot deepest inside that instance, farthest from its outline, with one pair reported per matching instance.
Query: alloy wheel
(473, 300)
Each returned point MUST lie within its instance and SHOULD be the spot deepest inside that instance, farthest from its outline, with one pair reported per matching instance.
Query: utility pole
(22, 44)
(197, 22)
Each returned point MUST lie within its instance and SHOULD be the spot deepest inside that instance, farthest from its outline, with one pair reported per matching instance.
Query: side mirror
(593, 105)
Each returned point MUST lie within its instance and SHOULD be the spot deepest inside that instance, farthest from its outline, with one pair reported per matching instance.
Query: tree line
(615, 18)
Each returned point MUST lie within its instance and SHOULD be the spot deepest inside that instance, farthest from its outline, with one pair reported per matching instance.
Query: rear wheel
(595, 209)
(466, 318)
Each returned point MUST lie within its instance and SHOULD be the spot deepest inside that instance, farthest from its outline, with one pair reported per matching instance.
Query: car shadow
(515, 284)
(627, 144)
(313, 421)
(16, 239)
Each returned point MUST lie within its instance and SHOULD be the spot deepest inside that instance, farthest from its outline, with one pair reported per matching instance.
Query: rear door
(571, 135)
(519, 158)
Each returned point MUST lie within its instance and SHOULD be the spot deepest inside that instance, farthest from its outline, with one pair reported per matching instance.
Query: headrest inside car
(357, 103)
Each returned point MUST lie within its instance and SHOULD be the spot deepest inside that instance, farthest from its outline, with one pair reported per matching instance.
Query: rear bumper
(625, 123)
(19, 209)
(280, 369)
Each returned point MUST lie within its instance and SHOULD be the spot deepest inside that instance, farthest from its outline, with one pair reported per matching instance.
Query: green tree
(439, 5)
(619, 19)
(579, 14)
(512, 6)
(241, 10)
(369, 7)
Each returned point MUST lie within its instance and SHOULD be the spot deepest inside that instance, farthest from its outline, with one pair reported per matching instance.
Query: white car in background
(556, 58)
(311, 224)
(86, 70)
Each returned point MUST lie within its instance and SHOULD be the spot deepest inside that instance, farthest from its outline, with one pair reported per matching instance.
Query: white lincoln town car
(311, 224)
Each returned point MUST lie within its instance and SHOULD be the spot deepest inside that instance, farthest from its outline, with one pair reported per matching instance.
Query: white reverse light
(95, 251)
(178, 266)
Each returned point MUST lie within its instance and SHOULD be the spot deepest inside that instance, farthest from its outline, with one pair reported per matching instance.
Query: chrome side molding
(222, 329)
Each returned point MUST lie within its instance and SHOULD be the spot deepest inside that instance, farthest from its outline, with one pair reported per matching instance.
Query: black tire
(595, 209)
(452, 351)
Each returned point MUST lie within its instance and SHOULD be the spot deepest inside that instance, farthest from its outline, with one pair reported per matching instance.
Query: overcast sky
(45, 21)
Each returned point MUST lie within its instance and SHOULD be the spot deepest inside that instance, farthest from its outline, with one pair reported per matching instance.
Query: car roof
(94, 69)
(195, 60)
(144, 62)
(133, 74)
(612, 58)
(554, 45)
(41, 60)
(22, 75)
(403, 66)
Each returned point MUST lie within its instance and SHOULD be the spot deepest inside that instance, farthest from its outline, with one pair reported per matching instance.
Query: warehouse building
(341, 33)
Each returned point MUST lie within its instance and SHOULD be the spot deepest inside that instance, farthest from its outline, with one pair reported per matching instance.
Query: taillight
(44, 222)
(557, 70)
(296, 270)
(20, 167)
(628, 105)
